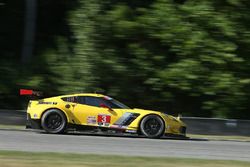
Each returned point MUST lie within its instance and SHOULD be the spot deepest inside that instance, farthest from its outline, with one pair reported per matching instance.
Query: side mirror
(105, 106)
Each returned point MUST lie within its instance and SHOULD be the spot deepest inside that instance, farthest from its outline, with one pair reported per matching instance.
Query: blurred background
(179, 56)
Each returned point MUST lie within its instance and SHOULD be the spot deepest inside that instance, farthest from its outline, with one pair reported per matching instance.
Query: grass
(30, 159)
(12, 127)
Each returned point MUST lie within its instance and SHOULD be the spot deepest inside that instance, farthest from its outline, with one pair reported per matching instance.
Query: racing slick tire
(54, 121)
(152, 126)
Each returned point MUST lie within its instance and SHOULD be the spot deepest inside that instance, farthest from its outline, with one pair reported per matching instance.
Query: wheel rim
(54, 121)
(152, 126)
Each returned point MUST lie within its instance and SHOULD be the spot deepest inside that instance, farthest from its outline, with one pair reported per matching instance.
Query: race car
(92, 111)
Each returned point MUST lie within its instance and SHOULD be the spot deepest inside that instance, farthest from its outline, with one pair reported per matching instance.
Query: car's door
(91, 111)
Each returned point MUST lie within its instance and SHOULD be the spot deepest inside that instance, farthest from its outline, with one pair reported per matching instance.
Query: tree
(166, 55)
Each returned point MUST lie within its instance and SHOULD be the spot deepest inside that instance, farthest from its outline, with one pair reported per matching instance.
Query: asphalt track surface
(118, 145)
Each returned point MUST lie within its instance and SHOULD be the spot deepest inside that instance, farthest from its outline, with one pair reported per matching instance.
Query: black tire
(54, 121)
(152, 126)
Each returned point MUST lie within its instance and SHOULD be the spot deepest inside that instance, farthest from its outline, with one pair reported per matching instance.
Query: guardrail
(217, 126)
(12, 117)
(195, 125)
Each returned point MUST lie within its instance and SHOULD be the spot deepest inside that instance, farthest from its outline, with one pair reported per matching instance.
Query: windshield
(112, 103)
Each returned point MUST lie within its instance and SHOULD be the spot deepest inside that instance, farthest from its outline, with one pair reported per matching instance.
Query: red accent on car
(103, 105)
(26, 92)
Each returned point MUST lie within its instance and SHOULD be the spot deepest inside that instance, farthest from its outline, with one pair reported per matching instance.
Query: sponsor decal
(44, 102)
(91, 120)
(131, 131)
(103, 120)
(118, 127)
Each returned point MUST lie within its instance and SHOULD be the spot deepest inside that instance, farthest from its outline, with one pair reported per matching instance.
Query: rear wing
(28, 92)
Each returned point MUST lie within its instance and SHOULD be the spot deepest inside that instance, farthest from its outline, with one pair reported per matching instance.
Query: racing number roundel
(104, 119)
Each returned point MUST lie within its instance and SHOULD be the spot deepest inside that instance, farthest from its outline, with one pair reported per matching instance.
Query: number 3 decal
(104, 118)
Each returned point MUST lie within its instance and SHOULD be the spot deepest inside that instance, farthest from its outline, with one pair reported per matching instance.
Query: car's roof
(84, 94)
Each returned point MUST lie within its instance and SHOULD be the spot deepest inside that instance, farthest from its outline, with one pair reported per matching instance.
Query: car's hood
(142, 110)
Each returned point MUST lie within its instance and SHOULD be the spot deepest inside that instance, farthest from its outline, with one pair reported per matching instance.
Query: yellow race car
(90, 111)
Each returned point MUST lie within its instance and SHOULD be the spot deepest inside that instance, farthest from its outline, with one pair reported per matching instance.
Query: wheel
(54, 121)
(152, 126)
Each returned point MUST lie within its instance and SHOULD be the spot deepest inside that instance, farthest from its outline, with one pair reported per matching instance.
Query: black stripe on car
(126, 119)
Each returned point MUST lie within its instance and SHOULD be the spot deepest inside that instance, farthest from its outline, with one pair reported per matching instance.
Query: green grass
(12, 127)
(30, 159)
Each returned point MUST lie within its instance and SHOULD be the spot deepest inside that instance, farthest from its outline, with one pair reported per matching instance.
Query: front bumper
(33, 123)
(183, 130)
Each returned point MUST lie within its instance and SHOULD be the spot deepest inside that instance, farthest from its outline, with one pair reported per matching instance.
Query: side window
(93, 101)
(110, 104)
(72, 99)
(81, 100)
